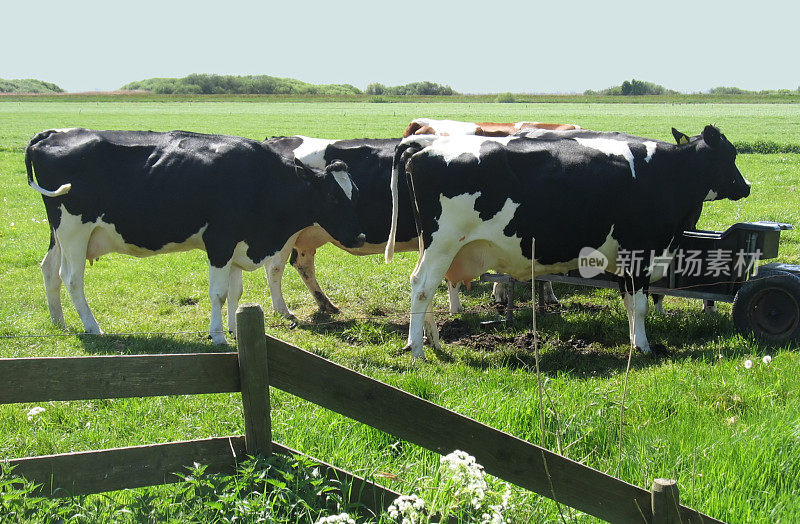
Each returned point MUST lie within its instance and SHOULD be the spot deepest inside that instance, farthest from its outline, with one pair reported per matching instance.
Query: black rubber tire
(767, 308)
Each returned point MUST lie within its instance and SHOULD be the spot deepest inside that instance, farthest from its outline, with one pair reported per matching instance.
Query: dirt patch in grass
(458, 331)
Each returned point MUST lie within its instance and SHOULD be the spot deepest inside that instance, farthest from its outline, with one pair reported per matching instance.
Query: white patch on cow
(105, 239)
(451, 147)
(651, 150)
(448, 127)
(712, 195)
(343, 179)
(312, 151)
(608, 249)
(610, 147)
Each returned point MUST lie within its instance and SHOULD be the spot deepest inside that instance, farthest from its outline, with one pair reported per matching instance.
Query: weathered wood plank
(665, 502)
(89, 472)
(254, 379)
(132, 467)
(413, 419)
(117, 376)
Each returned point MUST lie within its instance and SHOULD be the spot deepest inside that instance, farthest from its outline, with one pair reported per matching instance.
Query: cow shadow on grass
(375, 329)
(143, 344)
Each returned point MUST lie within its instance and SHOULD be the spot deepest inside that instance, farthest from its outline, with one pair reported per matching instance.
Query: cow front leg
(709, 306)
(547, 292)
(303, 261)
(51, 263)
(218, 281)
(658, 304)
(453, 299)
(274, 268)
(636, 307)
(71, 271)
(235, 290)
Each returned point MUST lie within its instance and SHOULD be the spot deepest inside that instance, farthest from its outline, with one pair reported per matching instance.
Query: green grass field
(729, 435)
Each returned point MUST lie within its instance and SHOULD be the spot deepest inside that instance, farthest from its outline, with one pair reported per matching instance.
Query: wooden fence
(264, 361)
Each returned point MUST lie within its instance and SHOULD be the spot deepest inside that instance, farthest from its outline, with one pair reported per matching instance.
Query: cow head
(718, 162)
(333, 203)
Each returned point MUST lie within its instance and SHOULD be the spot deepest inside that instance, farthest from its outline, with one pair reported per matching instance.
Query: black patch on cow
(161, 188)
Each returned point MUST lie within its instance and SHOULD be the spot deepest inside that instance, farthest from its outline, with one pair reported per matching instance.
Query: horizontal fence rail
(117, 376)
(90, 472)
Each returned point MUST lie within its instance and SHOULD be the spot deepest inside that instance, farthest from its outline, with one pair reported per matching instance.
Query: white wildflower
(767, 359)
(468, 475)
(335, 519)
(409, 508)
(34, 412)
(748, 364)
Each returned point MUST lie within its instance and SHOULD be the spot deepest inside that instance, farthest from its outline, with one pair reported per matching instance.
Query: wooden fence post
(255, 379)
(510, 303)
(665, 502)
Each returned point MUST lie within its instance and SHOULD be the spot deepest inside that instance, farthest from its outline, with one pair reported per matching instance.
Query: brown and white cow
(429, 126)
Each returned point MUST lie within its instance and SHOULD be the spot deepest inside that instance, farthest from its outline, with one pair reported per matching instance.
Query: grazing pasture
(729, 435)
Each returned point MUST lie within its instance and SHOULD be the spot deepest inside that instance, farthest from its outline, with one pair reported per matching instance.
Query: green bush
(28, 85)
(414, 88)
(634, 88)
(505, 98)
(228, 84)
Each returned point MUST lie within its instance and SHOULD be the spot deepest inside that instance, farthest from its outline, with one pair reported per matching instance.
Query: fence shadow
(144, 343)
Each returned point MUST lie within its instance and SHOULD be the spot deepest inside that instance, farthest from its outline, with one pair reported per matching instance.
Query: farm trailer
(766, 298)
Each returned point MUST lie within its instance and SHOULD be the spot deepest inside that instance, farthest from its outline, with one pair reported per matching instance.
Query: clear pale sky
(475, 47)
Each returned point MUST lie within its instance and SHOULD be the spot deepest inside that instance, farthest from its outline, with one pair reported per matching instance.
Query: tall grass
(729, 435)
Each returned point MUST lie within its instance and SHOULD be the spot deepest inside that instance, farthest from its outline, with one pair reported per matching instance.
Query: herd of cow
(521, 198)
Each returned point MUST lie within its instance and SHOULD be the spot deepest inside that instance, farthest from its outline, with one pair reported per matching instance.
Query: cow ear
(712, 136)
(680, 138)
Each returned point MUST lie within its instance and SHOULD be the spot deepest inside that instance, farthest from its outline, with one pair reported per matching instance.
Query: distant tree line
(639, 87)
(634, 87)
(737, 91)
(28, 85)
(228, 84)
(414, 88)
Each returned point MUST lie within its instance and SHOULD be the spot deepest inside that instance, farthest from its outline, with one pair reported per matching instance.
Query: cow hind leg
(218, 282)
(453, 299)
(72, 270)
(303, 261)
(51, 264)
(235, 290)
(425, 279)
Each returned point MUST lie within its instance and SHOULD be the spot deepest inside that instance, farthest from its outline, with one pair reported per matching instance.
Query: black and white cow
(482, 202)
(370, 166)
(145, 193)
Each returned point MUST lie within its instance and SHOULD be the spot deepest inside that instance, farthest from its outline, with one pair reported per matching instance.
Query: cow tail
(389, 252)
(29, 167)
